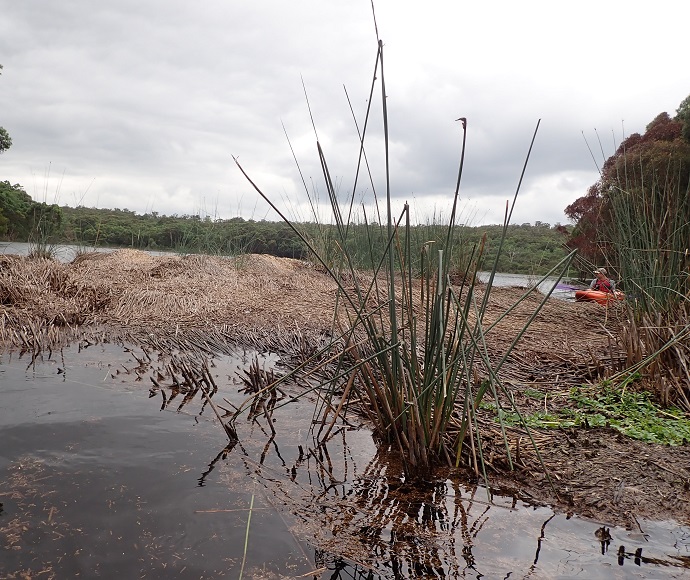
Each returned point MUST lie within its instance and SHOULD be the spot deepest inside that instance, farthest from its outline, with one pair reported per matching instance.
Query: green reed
(650, 234)
(45, 228)
(412, 345)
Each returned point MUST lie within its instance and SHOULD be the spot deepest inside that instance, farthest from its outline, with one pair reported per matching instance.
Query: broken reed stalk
(246, 537)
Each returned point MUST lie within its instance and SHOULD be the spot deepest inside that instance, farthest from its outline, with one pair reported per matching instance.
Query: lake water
(106, 473)
(63, 252)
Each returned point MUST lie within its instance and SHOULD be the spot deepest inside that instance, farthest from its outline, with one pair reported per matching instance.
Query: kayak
(598, 296)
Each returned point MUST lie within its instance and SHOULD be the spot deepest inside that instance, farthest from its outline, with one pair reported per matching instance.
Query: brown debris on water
(26, 486)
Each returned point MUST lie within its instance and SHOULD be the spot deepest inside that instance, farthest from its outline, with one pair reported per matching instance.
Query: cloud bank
(143, 105)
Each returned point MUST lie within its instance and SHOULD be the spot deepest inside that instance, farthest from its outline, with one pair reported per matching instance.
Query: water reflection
(428, 529)
(220, 457)
(79, 418)
(374, 524)
(445, 529)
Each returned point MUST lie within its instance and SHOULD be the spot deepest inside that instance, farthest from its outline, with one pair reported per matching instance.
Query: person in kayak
(602, 282)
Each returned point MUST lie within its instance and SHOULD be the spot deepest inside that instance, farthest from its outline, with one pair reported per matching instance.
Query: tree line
(528, 249)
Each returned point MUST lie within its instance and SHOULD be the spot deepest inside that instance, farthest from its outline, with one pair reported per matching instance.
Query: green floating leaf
(635, 415)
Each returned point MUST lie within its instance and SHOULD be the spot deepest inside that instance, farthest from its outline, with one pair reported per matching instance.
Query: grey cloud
(143, 104)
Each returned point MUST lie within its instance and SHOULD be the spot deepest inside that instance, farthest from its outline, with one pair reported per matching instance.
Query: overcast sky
(142, 105)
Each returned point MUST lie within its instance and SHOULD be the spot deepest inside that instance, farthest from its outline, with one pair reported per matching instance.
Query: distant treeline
(528, 249)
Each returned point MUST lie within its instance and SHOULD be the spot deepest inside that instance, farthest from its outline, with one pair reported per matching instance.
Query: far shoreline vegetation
(530, 249)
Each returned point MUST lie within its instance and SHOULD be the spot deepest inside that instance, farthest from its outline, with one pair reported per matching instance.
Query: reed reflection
(423, 530)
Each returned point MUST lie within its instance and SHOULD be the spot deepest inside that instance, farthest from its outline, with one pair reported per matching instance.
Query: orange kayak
(598, 296)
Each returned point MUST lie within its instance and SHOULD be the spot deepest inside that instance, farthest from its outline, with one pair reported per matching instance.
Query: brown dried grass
(206, 302)
(142, 294)
(567, 344)
(667, 375)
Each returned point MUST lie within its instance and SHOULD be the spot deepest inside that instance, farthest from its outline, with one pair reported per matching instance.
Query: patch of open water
(66, 252)
(104, 476)
(563, 289)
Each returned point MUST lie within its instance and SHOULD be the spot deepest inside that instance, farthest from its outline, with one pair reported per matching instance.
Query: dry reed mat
(249, 299)
(215, 304)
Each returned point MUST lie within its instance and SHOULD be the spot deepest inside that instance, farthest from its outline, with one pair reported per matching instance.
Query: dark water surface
(103, 476)
(106, 484)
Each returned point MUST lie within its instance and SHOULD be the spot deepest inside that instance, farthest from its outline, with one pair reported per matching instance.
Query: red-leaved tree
(644, 165)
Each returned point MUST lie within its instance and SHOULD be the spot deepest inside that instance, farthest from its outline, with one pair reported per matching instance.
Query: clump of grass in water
(47, 220)
(46, 225)
(413, 346)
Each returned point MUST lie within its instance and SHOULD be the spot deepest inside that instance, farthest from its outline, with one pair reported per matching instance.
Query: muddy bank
(207, 303)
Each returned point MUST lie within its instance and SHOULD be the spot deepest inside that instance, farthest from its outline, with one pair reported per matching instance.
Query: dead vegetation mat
(207, 303)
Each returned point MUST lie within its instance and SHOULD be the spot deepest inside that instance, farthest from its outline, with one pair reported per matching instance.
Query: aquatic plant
(411, 345)
(634, 414)
(46, 224)
(246, 537)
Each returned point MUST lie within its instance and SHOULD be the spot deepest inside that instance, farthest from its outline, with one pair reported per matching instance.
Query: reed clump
(411, 347)
(649, 204)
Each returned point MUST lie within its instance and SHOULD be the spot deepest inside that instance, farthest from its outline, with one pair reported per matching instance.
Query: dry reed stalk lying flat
(132, 290)
(668, 375)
